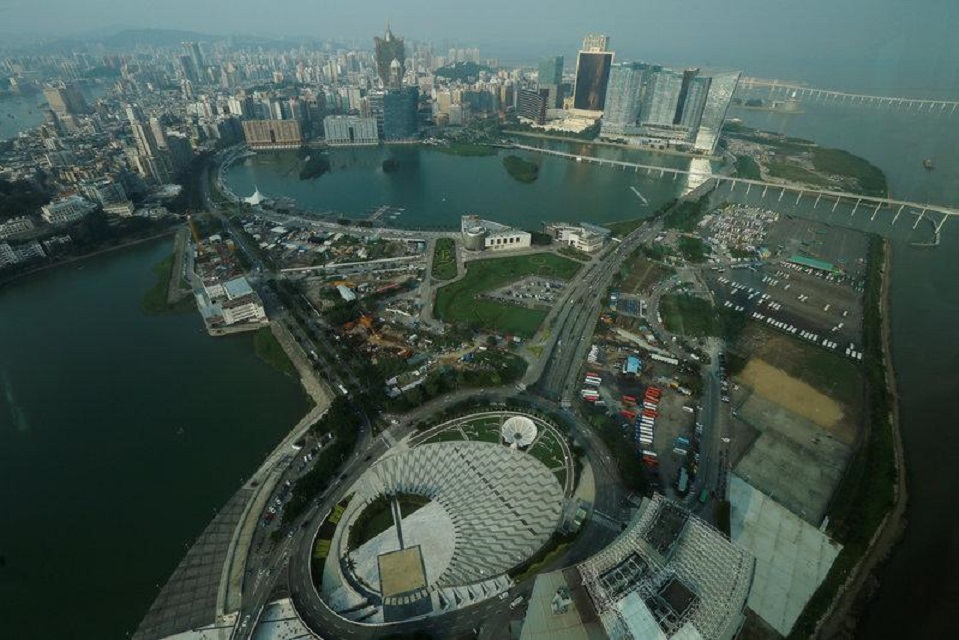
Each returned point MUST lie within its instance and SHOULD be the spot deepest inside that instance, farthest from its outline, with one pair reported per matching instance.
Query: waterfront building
(14, 226)
(623, 97)
(272, 134)
(721, 89)
(585, 237)
(694, 103)
(532, 105)
(550, 77)
(66, 210)
(346, 130)
(592, 73)
(390, 55)
(479, 235)
(400, 113)
(66, 100)
(15, 254)
(662, 98)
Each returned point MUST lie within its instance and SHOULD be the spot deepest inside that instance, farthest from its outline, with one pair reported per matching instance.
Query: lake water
(120, 434)
(435, 189)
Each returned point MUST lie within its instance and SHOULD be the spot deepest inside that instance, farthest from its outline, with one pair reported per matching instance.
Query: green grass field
(444, 259)
(457, 302)
(266, 347)
(688, 316)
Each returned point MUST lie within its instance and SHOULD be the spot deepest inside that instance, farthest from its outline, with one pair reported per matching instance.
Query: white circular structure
(518, 431)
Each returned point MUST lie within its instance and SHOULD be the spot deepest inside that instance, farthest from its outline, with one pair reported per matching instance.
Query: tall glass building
(721, 88)
(623, 97)
(400, 113)
(389, 48)
(592, 73)
(662, 97)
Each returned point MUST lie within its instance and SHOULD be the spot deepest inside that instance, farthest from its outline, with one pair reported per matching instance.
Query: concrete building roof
(792, 556)
(237, 288)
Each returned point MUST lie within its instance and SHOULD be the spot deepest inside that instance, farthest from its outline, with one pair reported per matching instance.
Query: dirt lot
(795, 396)
(643, 275)
(829, 375)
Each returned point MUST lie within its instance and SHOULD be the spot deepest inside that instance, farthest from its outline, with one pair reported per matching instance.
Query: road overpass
(802, 92)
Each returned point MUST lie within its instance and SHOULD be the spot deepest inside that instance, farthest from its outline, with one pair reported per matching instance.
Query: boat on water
(929, 164)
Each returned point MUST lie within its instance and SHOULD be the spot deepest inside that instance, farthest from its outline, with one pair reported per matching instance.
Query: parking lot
(532, 291)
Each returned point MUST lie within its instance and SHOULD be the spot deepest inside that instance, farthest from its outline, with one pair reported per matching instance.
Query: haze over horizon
(856, 33)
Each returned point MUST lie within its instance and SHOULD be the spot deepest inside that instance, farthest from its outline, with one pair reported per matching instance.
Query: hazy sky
(719, 32)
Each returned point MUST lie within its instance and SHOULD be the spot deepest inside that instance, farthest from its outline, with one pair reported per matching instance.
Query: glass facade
(592, 76)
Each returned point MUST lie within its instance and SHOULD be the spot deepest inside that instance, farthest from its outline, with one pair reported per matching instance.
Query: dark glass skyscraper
(389, 48)
(400, 113)
(550, 71)
(592, 74)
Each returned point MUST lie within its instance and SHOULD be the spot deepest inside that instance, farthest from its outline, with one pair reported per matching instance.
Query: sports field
(459, 302)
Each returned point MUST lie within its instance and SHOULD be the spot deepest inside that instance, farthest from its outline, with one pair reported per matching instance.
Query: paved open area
(792, 460)
(792, 556)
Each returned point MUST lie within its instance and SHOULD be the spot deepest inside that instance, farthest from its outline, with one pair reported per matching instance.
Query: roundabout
(439, 522)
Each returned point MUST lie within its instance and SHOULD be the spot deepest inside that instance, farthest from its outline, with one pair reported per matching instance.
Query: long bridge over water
(798, 91)
(868, 205)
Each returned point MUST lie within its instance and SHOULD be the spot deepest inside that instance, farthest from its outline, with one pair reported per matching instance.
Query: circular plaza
(440, 521)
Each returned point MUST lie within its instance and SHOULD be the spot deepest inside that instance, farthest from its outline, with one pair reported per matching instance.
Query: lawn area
(376, 518)
(747, 168)
(688, 316)
(871, 179)
(483, 430)
(268, 349)
(457, 302)
(449, 435)
(155, 299)
(548, 451)
(624, 227)
(794, 173)
(444, 259)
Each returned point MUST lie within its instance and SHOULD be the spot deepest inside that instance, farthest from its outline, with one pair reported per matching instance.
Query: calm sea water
(120, 434)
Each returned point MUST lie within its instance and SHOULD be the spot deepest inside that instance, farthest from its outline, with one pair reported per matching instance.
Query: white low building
(15, 226)
(67, 210)
(585, 237)
(479, 235)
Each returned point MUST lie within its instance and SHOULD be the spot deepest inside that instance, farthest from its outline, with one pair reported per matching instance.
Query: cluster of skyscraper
(636, 100)
(393, 112)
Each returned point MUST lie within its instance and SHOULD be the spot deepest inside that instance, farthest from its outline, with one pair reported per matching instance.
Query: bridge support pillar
(919, 219)
(940, 223)
(781, 195)
(854, 209)
(875, 212)
(816, 203)
(896, 217)
(835, 204)
(748, 187)
(764, 192)
(732, 185)
(799, 196)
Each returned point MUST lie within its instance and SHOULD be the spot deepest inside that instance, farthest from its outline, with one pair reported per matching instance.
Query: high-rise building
(661, 97)
(695, 102)
(623, 97)
(532, 105)
(550, 71)
(721, 89)
(592, 73)
(688, 76)
(66, 100)
(272, 134)
(343, 130)
(390, 49)
(551, 78)
(193, 50)
(400, 113)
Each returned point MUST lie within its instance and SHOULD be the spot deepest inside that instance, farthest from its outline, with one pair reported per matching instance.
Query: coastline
(61, 263)
(862, 583)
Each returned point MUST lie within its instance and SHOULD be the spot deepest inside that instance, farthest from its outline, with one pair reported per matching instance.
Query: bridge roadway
(845, 97)
(867, 203)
